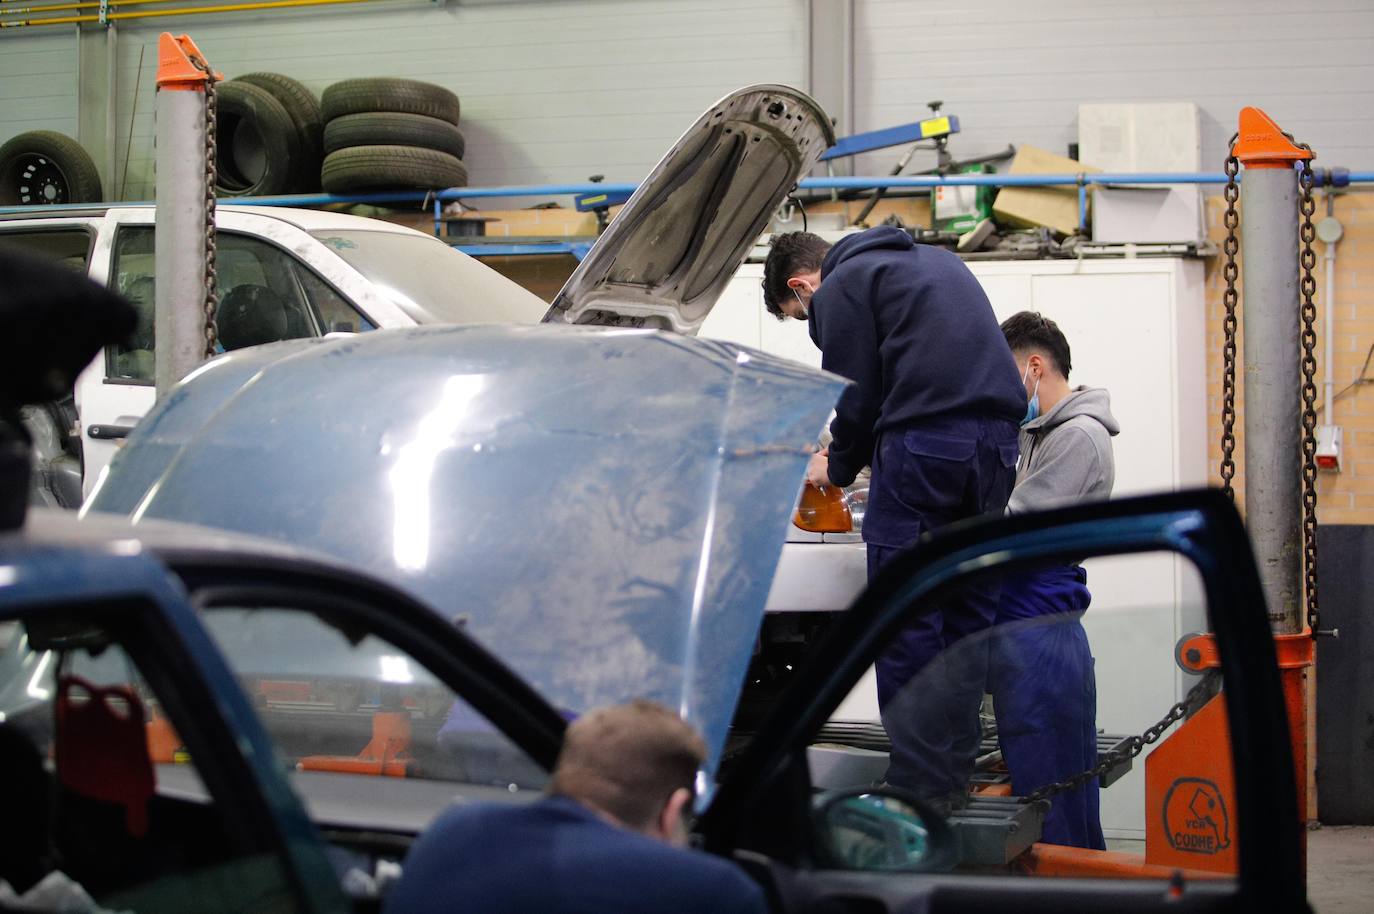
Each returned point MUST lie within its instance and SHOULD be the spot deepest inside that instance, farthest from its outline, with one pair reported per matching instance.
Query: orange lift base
(1190, 785)
(1076, 862)
(387, 754)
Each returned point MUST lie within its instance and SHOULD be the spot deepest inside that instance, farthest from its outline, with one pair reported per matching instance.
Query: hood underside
(669, 254)
(602, 510)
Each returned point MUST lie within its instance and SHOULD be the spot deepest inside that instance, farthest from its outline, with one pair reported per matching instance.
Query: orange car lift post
(1189, 779)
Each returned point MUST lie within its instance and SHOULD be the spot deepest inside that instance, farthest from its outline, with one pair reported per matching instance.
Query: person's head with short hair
(1042, 355)
(792, 273)
(634, 763)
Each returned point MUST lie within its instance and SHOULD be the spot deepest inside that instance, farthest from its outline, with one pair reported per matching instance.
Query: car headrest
(250, 315)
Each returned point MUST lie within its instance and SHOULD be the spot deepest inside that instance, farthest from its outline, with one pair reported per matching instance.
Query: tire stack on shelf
(269, 136)
(389, 134)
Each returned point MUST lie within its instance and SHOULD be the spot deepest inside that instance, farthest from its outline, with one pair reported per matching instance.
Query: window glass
(69, 246)
(1008, 683)
(431, 281)
(119, 807)
(265, 295)
(344, 702)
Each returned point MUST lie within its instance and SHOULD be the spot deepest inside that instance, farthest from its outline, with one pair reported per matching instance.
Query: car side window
(338, 700)
(265, 295)
(69, 246)
(1009, 703)
(102, 793)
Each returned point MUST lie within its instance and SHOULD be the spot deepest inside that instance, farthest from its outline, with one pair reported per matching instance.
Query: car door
(1219, 813)
(266, 293)
(102, 658)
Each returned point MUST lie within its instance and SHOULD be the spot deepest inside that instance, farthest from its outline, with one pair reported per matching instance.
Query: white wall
(38, 81)
(1016, 71)
(551, 90)
(560, 89)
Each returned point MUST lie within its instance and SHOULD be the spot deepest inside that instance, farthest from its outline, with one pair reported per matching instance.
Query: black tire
(258, 146)
(362, 168)
(305, 110)
(43, 167)
(403, 96)
(391, 129)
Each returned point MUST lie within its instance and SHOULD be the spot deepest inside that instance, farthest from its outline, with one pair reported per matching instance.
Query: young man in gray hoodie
(1042, 681)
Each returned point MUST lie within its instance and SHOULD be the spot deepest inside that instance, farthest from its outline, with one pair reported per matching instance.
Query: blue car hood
(604, 510)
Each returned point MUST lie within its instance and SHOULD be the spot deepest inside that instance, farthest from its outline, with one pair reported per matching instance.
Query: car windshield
(431, 282)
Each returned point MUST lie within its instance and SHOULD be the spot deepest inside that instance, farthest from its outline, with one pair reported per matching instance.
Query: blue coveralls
(1044, 692)
(925, 478)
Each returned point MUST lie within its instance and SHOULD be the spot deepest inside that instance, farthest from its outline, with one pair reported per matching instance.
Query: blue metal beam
(835, 183)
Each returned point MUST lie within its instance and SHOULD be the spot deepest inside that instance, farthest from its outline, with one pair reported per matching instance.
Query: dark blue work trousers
(1044, 691)
(930, 680)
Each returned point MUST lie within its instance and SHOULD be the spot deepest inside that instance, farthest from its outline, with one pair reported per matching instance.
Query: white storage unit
(1135, 327)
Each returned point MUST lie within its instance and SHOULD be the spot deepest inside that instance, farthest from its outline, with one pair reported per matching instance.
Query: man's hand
(818, 470)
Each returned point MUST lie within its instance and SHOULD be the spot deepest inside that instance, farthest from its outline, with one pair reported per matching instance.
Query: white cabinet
(1135, 327)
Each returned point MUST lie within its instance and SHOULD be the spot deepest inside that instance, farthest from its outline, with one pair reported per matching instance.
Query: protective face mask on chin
(1033, 407)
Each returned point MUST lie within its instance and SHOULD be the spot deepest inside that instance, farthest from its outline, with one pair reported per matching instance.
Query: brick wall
(1346, 497)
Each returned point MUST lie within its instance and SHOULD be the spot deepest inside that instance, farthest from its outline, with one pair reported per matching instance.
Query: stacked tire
(391, 134)
(269, 132)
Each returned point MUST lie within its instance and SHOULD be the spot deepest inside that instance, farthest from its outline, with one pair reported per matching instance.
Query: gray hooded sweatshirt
(1066, 454)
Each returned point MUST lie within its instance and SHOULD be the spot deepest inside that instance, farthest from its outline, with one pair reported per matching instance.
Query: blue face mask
(1033, 407)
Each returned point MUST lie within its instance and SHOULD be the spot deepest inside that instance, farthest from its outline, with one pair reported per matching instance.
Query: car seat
(26, 797)
(250, 315)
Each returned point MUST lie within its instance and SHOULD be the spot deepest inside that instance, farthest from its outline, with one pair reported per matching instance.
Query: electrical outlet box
(1329, 448)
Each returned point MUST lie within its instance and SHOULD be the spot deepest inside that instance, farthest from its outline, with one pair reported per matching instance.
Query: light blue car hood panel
(602, 509)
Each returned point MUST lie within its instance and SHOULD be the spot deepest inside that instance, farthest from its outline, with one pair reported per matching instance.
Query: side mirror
(882, 829)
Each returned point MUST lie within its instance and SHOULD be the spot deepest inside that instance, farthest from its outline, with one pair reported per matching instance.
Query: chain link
(1136, 744)
(1308, 288)
(211, 303)
(1231, 299)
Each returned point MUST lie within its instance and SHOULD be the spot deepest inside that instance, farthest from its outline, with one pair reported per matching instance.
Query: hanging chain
(1308, 288)
(211, 303)
(1195, 698)
(1231, 298)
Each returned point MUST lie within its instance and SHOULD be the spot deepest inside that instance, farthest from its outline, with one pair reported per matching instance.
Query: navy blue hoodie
(913, 329)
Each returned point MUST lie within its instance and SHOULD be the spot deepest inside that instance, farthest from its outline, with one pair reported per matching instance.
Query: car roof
(310, 220)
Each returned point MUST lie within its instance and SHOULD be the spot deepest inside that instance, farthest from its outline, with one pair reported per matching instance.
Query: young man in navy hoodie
(934, 411)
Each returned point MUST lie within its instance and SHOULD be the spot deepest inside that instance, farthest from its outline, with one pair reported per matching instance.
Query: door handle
(108, 432)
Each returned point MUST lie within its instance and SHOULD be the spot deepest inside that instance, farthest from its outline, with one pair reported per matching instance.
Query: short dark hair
(789, 254)
(628, 760)
(1030, 330)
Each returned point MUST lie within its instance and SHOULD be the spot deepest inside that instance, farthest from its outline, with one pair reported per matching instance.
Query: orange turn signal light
(822, 509)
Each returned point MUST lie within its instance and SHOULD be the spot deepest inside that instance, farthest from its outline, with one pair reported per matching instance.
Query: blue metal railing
(437, 198)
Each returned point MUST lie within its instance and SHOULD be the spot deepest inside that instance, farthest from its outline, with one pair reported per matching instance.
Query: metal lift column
(180, 241)
(1273, 384)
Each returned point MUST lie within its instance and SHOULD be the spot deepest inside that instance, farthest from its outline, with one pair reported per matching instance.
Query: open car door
(1207, 820)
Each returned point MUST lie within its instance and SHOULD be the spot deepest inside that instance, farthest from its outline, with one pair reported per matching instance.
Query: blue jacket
(555, 855)
(913, 329)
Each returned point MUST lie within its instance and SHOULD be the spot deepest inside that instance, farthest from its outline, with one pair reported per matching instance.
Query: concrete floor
(1340, 869)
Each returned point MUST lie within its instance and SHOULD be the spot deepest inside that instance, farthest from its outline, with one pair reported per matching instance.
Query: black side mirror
(882, 829)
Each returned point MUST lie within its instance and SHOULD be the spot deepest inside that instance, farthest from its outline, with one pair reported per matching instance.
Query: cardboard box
(1055, 208)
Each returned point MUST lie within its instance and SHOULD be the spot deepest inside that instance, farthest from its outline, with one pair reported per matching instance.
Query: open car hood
(669, 253)
(603, 510)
